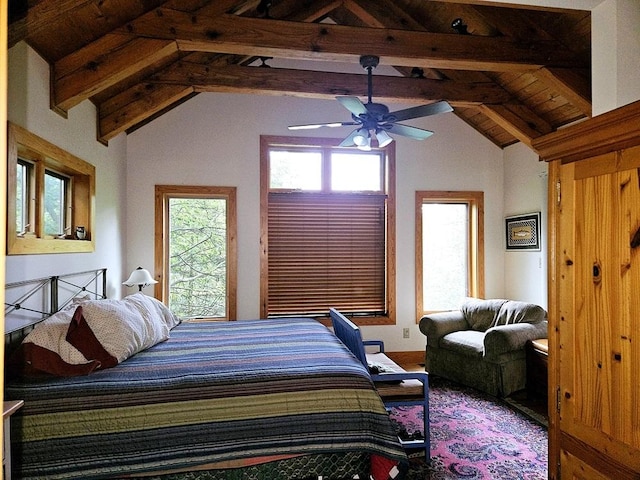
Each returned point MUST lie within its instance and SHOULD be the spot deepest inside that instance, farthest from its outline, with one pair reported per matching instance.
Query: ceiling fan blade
(421, 111)
(353, 104)
(407, 131)
(348, 142)
(319, 125)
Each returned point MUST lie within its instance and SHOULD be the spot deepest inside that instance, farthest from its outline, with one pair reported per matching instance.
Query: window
(24, 211)
(50, 194)
(196, 250)
(449, 249)
(327, 215)
(56, 205)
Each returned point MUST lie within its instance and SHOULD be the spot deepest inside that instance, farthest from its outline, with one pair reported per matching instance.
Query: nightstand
(8, 409)
(537, 352)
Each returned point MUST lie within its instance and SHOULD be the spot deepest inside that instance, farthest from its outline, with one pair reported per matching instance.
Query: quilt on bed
(213, 393)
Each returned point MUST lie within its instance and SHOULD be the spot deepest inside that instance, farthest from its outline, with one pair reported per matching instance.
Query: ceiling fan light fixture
(362, 138)
(383, 137)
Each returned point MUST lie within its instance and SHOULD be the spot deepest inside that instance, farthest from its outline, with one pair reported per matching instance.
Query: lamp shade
(140, 277)
(384, 138)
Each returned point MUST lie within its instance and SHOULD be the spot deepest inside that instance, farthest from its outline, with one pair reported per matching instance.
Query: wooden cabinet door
(596, 238)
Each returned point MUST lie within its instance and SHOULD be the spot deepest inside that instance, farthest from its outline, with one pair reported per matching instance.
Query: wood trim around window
(161, 261)
(268, 141)
(475, 200)
(45, 155)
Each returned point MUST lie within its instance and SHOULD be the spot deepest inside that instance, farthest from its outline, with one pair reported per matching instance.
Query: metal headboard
(31, 301)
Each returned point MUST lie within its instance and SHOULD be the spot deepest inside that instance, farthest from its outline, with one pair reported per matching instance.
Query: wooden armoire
(594, 296)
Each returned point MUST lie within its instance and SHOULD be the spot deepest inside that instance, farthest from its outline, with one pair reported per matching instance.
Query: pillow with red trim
(45, 350)
(111, 331)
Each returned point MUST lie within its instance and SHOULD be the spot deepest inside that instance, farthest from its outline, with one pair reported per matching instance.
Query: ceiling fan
(375, 118)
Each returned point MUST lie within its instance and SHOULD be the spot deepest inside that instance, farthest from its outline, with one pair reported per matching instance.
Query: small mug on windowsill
(81, 233)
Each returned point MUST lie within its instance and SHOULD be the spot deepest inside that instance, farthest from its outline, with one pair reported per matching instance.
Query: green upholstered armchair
(482, 345)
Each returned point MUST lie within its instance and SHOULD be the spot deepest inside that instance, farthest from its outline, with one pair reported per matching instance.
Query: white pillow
(125, 327)
(51, 333)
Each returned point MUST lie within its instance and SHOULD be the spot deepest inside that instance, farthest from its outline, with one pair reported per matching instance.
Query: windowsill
(29, 246)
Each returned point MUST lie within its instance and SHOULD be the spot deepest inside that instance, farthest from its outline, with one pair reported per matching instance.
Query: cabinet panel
(598, 309)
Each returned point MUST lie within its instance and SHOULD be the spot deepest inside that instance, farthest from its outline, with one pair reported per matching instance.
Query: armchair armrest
(506, 338)
(436, 325)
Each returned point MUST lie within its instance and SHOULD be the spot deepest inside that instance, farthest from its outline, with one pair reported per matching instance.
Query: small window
(56, 204)
(24, 212)
(295, 170)
(357, 172)
(449, 249)
(50, 197)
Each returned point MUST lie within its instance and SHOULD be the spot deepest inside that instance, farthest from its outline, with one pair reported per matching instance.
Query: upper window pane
(445, 246)
(356, 172)
(295, 170)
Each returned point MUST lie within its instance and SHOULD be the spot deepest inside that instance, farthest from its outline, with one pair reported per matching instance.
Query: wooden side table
(8, 409)
(537, 352)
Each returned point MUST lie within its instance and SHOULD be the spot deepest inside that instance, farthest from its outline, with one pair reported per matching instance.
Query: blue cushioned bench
(396, 386)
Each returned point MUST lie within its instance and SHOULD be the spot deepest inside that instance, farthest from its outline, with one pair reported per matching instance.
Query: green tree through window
(197, 250)
(198, 257)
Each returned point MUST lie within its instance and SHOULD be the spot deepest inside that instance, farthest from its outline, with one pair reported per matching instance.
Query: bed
(276, 398)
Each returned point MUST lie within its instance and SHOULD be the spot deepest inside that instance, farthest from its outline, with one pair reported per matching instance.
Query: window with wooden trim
(449, 249)
(195, 250)
(51, 196)
(327, 220)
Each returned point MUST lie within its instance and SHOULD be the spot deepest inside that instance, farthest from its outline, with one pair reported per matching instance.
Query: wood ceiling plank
(276, 38)
(309, 84)
(386, 14)
(382, 14)
(572, 85)
(40, 17)
(112, 58)
(306, 11)
(139, 103)
(485, 126)
(520, 122)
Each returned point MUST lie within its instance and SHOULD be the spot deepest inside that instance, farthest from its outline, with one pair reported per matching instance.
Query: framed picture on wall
(523, 231)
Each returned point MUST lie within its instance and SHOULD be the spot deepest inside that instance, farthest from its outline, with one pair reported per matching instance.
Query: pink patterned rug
(475, 436)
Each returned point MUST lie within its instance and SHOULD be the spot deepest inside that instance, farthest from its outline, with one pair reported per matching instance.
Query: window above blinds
(327, 217)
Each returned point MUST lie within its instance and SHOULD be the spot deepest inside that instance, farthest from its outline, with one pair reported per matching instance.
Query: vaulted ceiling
(513, 73)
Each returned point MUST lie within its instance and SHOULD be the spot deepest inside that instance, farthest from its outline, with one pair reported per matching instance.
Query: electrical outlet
(405, 333)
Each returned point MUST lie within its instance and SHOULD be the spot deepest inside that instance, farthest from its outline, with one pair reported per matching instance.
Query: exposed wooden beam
(112, 58)
(386, 14)
(91, 70)
(40, 16)
(310, 84)
(123, 111)
(518, 120)
(277, 38)
(573, 86)
(136, 105)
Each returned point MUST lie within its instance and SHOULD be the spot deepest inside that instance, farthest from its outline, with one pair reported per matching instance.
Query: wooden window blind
(326, 250)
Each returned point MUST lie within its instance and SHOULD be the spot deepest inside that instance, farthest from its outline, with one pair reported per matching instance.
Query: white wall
(525, 191)
(28, 106)
(213, 139)
(615, 54)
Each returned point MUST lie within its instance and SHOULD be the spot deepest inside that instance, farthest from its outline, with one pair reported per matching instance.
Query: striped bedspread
(212, 394)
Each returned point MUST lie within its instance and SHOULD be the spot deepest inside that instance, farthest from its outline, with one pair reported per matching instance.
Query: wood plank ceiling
(514, 73)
